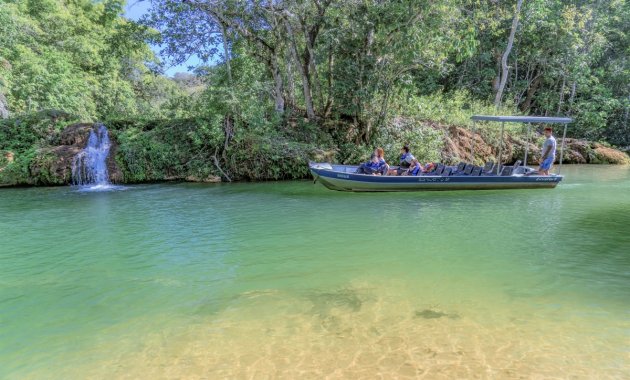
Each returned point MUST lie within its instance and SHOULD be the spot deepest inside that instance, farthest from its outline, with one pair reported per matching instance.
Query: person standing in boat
(548, 152)
(406, 161)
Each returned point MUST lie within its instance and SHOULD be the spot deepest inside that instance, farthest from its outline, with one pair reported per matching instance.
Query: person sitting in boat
(416, 168)
(406, 161)
(429, 167)
(376, 165)
(373, 166)
(380, 153)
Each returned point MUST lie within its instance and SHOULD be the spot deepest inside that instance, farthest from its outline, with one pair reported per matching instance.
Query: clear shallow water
(292, 280)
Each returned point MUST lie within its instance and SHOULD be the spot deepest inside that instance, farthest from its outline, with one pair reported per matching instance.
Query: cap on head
(548, 129)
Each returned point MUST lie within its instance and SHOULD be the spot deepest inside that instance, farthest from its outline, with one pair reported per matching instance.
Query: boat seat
(447, 171)
(476, 172)
(459, 170)
(488, 167)
(507, 171)
(469, 168)
(437, 169)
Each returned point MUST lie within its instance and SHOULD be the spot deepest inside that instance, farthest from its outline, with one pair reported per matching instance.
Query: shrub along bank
(38, 149)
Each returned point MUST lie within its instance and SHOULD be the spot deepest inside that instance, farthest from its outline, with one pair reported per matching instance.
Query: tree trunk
(330, 100)
(226, 52)
(304, 71)
(506, 53)
(278, 83)
(531, 91)
(572, 96)
(228, 133)
(625, 119)
(228, 125)
(309, 60)
(290, 83)
(496, 80)
(561, 101)
(369, 40)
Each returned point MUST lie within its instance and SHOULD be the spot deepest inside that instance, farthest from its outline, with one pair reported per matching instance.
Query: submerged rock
(434, 314)
(208, 179)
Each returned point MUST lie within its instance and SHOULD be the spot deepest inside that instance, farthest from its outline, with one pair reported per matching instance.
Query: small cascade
(89, 167)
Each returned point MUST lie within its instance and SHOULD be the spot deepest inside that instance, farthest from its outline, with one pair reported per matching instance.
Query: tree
(506, 53)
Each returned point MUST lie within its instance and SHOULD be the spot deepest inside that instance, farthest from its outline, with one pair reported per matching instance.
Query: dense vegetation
(283, 79)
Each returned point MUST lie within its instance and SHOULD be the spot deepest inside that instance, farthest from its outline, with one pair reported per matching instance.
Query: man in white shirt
(548, 152)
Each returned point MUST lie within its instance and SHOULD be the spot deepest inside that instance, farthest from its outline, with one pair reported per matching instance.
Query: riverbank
(38, 150)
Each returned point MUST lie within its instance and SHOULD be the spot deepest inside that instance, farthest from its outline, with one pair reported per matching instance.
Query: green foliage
(18, 172)
(178, 149)
(38, 129)
(257, 157)
(454, 108)
(424, 141)
(165, 149)
(79, 56)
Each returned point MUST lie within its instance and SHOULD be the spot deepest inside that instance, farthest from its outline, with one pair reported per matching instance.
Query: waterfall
(89, 167)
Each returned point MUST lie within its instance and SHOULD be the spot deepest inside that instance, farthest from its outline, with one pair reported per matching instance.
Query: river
(291, 280)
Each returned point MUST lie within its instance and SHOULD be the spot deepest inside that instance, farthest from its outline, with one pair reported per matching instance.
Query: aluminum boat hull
(343, 178)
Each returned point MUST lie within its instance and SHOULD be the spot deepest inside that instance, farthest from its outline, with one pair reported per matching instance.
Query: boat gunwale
(345, 181)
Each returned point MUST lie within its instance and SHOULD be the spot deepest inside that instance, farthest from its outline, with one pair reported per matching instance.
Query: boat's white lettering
(546, 179)
(343, 176)
(436, 179)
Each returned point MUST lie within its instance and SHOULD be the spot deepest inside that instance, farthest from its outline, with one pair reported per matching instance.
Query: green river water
(291, 280)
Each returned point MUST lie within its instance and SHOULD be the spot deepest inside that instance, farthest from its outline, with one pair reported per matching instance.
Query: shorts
(546, 164)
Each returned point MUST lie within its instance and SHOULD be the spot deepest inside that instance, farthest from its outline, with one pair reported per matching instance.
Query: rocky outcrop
(53, 165)
(208, 179)
(6, 158)
(4, 107)
(458, 142)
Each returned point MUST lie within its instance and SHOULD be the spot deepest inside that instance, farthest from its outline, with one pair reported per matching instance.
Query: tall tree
(506, 54)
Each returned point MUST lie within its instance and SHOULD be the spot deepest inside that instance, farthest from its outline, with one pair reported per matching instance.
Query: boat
(464, 176)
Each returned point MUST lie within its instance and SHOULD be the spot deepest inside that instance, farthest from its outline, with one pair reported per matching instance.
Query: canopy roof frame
(521, 119)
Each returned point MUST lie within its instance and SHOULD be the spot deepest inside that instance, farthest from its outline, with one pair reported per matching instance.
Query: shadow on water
(346, 299)
(604, 233)
(598, 244)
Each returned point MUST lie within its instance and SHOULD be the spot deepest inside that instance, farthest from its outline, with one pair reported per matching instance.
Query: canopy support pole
(529, 128)
(500, 148)
(564, 136)
(472, 143)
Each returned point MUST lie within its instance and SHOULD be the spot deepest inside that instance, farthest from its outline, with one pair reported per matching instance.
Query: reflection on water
(290, 280)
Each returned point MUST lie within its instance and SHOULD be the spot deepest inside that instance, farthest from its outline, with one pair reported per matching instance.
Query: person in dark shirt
(406, 162)
(376, 165)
